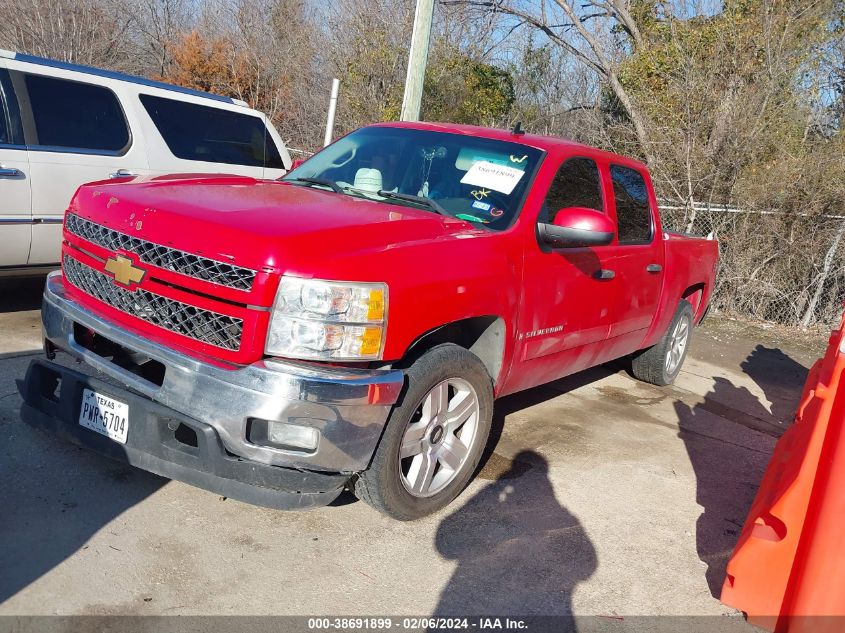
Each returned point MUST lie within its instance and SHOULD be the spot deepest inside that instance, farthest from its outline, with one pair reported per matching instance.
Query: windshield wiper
(407, 197)
(325, 182)
(391, 195)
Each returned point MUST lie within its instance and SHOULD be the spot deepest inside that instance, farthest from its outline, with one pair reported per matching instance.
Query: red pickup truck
(349, 326)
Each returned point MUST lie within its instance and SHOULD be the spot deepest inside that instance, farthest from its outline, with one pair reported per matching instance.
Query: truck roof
(545, 143)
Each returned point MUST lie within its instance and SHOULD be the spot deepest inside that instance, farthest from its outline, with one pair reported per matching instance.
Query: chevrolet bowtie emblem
(123, 271)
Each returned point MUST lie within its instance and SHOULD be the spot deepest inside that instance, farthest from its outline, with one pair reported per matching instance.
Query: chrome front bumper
(349, 407)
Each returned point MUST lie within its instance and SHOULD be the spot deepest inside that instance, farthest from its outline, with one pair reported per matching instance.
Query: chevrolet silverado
(349, 326)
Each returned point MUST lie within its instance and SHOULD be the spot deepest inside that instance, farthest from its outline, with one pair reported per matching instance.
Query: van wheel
(661, 363)
(433, 439)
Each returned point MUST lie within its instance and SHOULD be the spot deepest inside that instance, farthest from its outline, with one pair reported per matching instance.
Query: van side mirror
(577, 226)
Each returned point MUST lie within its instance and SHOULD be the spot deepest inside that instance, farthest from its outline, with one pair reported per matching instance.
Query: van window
(633, 215)
(576, 184)
(196, 132)
(5, 133)
(11, 132)
(75, 116)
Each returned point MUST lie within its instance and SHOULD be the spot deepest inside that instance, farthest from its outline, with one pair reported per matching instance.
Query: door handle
(122, 173)
(604, 273)
(9, 172)
(654, 268)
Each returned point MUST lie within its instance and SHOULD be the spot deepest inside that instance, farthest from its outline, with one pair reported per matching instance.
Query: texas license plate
(104, 415)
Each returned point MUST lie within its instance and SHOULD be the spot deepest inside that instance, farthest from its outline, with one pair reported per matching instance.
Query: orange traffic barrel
(787, 572)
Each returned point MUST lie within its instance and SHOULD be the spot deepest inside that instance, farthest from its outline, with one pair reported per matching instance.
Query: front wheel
(661, 363)
(434, 438)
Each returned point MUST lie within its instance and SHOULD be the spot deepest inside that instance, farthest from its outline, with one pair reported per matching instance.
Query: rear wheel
(661, 363)
(434, 438)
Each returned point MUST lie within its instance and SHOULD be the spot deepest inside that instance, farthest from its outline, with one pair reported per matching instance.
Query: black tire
(650, 365)
(381, 485)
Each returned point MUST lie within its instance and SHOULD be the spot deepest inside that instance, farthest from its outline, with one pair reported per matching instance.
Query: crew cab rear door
(637, 257)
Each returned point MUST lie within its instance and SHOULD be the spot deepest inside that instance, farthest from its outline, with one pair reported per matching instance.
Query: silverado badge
(123, 271)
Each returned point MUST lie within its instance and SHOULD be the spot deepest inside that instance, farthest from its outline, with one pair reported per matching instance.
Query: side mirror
(577, 226)
(296, 163)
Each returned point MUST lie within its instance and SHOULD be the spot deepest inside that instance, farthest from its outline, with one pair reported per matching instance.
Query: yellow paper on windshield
(491, 176)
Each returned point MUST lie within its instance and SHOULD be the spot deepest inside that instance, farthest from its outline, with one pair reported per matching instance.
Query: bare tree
(157, 25)
(584, 29)
(367, 50)
(90, 32)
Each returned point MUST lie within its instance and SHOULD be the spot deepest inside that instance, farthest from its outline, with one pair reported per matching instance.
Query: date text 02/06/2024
(415, 623)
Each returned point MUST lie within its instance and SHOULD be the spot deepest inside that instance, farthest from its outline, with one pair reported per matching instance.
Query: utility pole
(417, 60)
(327, 139)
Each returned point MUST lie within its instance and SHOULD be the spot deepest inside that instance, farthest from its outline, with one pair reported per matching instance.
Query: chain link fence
(775, 267)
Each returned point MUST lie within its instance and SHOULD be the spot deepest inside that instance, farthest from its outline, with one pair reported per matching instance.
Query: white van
(62, 125)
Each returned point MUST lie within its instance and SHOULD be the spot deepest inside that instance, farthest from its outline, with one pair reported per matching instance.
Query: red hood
(256, 224)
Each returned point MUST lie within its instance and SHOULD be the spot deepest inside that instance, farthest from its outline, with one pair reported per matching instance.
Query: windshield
(475, 179)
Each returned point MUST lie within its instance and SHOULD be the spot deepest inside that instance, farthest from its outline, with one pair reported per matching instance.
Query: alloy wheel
(677, 345)
(438, 440)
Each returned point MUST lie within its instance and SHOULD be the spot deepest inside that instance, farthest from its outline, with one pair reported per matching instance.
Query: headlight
(327, 320)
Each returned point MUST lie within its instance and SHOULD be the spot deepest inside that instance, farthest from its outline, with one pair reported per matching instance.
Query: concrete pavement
(601, 495)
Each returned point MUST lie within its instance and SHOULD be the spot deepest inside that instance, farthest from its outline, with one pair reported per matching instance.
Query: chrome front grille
(202, 325)
(163, 256)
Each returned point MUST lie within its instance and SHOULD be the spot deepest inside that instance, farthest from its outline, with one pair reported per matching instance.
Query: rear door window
(633, 213)
(72, 115)
(214, 135)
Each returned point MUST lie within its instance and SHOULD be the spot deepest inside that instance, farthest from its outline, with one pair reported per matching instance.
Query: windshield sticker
(497, 177)
(482, 206)
(479, 194)
(469, 156)
(471, 218)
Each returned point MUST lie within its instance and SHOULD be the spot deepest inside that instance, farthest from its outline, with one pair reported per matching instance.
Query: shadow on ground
(519, 552)
(54, 496)
(55, 503)
(727, 473)
(21, 294)
(779, 376)
(507, 531)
